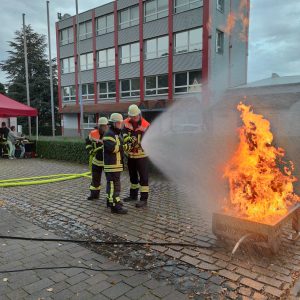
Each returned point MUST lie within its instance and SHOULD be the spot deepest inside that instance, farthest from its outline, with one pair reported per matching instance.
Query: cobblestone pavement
(73, 283)
(206, 273)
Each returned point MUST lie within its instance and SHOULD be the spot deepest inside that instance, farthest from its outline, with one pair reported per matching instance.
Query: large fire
(260, 180)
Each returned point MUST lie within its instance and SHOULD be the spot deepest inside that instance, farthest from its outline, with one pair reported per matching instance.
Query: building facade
(150, 53)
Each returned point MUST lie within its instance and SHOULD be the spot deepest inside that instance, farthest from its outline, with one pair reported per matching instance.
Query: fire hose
(36, 180)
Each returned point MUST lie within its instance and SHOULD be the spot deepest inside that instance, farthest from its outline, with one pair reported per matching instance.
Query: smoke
(190, 143)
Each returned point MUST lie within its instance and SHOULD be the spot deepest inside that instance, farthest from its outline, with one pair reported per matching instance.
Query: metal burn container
(235, 229)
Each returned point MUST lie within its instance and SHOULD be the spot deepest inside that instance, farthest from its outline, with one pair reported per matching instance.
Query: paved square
(206, 273)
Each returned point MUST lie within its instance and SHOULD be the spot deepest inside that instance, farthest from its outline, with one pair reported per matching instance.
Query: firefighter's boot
(94, 195)
(133, 196)
(141, 204)
(119, 209)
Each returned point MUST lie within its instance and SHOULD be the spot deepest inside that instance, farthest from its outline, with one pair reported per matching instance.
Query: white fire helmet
(102, 121)
(116, 117)
(133, 110)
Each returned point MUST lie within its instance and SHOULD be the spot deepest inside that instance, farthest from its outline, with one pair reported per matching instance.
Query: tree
(2, 89)
(38, 74)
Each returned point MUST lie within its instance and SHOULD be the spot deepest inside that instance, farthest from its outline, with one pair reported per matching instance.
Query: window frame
(157, 51)
(70, 69)
(129, 57)
(88, 96)
(70, 97)
(156, 13)
(188, 85)
(189, 45)
(70, 39)
(106, 29)
(218, 34)
(108, 62)
(85, 35)
(131, 22)
(107, 93)
(156, 89)
(189, 4)
(132, 93)
(221, 7)
(88, 66)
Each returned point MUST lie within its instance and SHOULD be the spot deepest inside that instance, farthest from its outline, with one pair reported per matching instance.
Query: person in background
(4, 147)
(12, 139)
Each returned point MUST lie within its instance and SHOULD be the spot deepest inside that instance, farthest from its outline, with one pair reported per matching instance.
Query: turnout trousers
(139, 176)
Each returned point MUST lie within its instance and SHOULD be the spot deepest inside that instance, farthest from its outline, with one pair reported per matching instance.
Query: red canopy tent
(12, 108)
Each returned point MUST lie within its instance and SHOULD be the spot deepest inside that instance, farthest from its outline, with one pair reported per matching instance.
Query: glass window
(66, 36)
(125, 54)
(83, 62)
(162, 46)
(107, 90)
(111, 89)
(130, 87)
(110, 23)
(135, 87)
(220, 42)
(105, 24)
(195, 81)
(135, 53)
(162, 84)
(85, 30)
(69, 93)
(181, 82)
(89, 29)
(101, 25)
(88, 91)
(86, 61)
(195, 39)
(134, 16)
(71, 64)
(129, 17)
(150, 10)
(188, 41)
(181, 42)
(188, 82)
(155, 9)
(220, 5)
(162, 8)
(151, 49)
(102, 58)
(151, 85)
(183, 5)
(124, 18)
(125, 88)
(111, 57)
(67, 65)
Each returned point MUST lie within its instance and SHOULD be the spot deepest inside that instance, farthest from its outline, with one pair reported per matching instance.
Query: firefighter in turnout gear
(114, 148)
(96, 152)
(91, 144)
(135, 127)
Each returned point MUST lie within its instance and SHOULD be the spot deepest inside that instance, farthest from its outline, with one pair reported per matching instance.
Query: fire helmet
(133, 110)
(102, 121)
(116, 117)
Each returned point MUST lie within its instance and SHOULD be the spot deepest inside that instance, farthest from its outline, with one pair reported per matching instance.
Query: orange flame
(260, 181)
(241, 17)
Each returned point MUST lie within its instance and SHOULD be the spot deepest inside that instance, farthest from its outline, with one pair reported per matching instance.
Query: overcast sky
(274, 43)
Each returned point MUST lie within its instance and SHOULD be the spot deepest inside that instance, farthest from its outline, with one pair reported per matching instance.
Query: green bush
(62, 149)
(69, 149)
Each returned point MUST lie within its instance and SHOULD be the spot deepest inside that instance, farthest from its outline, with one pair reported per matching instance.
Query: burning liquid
(260, 180)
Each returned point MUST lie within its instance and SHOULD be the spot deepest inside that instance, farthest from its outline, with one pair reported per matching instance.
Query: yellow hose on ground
(39, 177)
(32, 181)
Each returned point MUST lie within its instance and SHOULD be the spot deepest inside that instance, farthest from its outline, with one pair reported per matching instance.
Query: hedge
(68, 150)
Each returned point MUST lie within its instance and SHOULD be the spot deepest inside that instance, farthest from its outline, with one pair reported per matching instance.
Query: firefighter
(135, 127)
(114, 148)
(91, 142)
(97, 157)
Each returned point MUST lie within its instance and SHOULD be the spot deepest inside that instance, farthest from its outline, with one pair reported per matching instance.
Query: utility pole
(26, 73)
(50, 72)
(79, 72)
